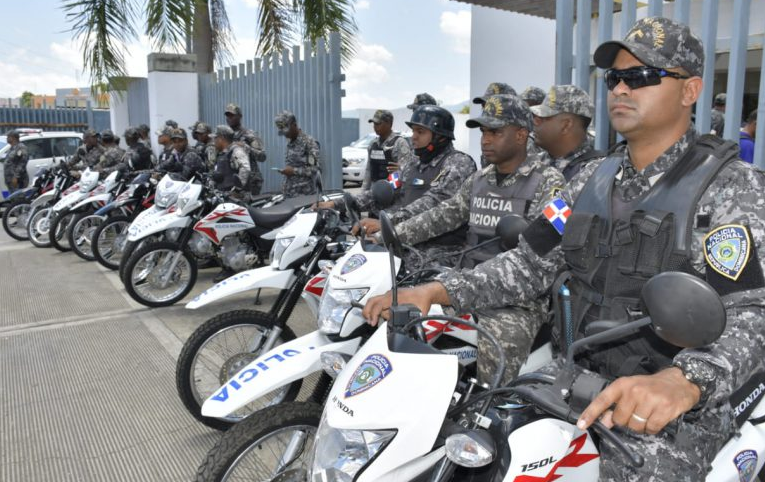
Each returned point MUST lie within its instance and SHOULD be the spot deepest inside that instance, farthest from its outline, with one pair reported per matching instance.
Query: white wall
(512, 48)
(172, 95)
(119, 115)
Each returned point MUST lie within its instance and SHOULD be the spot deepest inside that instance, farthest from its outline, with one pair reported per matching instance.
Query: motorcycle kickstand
(257, 297)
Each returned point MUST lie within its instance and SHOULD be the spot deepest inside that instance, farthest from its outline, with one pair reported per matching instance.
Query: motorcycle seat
(275, 216)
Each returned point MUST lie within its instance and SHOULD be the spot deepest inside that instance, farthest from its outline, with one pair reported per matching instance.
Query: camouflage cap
(202, 128)
(283, 120)
(493, 89)
(382, 115)
(131, 133)
(165, 131)
(657, 42)
(178, 134)
(225, 132)
(143, 128)
(568, 99)
(503, 110)
(89, 133)
(107, 135)
(422, 99)
(533, 95)
(233, 109)
(721, 99)
(171, 123)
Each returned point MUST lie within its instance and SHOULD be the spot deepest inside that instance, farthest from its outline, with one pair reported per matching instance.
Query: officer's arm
(549, 188)
(454, 172)
(311, 160)
(741, 348)
(242, 162)
(401, 152)
(364, 197)
(445, 217)
(256, 144)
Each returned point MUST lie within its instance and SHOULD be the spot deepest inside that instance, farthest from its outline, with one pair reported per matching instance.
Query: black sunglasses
(637, 77)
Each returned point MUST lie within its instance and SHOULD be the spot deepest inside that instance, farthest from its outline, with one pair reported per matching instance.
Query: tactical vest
(573, 167)
(612, 248)
(489, 204)
(229, 176)
(379, 158)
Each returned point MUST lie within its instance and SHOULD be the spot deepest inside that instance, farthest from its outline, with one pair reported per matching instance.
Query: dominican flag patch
(557, 212)
(395, 179)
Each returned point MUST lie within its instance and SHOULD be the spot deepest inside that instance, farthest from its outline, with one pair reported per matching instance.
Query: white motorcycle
(41, 209)
(222, 345)
(61, 216)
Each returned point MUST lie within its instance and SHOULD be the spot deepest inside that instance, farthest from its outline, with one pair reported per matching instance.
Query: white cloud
(15, 80)
(68, 52)
(361, 100)
(360, 5)
(366, 68)
(451, 94)
(456, 26)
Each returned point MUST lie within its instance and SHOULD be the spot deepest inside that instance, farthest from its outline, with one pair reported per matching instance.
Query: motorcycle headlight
(356, 161)
(278, 249)
(341, 454)
(166, 199)
(333, 307)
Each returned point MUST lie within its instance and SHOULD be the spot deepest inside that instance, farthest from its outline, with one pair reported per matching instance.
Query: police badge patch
(371, 372)
(727, 250)
(354, 262)
(746, 464)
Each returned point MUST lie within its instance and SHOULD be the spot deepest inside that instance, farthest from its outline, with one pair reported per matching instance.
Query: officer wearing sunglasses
(667, 200)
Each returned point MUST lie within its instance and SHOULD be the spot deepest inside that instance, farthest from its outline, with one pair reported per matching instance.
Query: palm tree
(106, 27)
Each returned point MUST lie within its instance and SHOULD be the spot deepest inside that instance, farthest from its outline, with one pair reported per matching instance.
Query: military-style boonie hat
(382, 115)
(568, 99)
(657, 42)
(533, 95)
(493, 89)
(422, 99)
(503, 110)
(233, 109)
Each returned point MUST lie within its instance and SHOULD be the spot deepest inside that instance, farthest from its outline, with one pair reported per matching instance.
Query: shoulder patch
(727, 250)
(555, 192)
(557, 212)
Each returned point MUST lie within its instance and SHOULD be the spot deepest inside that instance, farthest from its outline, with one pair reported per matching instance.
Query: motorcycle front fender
(265, 277)
(68, 201)
(42, 199)
(106, 197)
(283, 364)
(155, 225)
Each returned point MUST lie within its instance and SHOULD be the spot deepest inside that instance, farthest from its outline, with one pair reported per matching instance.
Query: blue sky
(405, 47)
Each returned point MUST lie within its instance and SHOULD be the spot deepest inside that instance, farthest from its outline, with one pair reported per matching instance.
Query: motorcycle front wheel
(60, 224)
(109, 241)
(160, 274)
(275, 443)
(81, 233)
(217, 351)
(38, 227)
(15, 219)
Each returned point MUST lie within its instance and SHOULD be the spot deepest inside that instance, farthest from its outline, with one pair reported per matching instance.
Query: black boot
(224, 273)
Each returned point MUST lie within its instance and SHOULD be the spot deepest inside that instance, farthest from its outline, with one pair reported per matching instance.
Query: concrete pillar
(173, 91)
(119, 114)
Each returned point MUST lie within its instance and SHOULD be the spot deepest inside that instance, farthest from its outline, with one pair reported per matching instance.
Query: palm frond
(168, 23)
(276, 26)
(320, 17)
(104, 28)
(222, 34)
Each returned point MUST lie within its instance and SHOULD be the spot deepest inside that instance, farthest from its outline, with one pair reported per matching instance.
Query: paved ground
(87, 387)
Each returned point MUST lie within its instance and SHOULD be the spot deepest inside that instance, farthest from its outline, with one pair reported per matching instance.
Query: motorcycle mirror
(509, 230)
(393, 244)
(351, 206)
(382, 193)
(684, 310)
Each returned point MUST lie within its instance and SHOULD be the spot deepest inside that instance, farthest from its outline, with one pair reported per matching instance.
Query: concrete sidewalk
(87, 376)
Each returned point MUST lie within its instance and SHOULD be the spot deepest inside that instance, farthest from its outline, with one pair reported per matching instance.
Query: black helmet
(433, 118)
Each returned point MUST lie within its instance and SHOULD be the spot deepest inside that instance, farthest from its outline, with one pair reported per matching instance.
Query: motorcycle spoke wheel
(59, 227)
(151, 281)
(81, 234)
(263, 460)
(15, 220)
(109, 242)
(38, 228)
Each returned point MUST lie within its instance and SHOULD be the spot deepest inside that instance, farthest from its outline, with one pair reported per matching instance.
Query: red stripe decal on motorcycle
(573, 459)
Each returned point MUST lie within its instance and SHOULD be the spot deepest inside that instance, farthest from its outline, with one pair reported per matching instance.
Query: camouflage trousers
(684, 455)
(515, 328)
(298, 186)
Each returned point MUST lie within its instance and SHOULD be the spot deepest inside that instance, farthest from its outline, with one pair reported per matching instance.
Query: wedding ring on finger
(639, 418)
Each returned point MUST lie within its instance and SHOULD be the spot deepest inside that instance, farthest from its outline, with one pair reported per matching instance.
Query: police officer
(301, 160)
(515, 181)
(15, 165)
(88, 154)
(434, 175)
(143, 132)
(113, 154)
(183, 160)
(560, 128)
(493, 89)
(163, 138)
(669, 200)
(138, 156)
(533, 96)
(422, 99)
(253, 145)
(171, 124)
(718, 115)
(385, 155)
(205, 146)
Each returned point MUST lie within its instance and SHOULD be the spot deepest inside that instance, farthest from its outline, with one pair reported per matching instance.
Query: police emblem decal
(727, 249)
(368, 374)
(355, 262)
(746, 464)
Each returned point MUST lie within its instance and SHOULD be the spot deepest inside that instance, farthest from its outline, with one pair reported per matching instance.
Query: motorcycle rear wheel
(110, 240)
(228, 338)
(15, 219)
(60, 224)
(81, 232)
(253, 448)
(146, 266)
(38, 227)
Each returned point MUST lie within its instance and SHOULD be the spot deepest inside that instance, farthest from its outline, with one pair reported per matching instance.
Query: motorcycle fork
(183, 239)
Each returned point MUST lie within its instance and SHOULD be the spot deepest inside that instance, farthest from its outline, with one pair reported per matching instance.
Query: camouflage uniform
(15, 167)
(253, 145)
(302, 154)
(718, 122)
(110, 159)
(205, 150)
(85, 157)
(187, 163)
(533, 95)
(139, 157)
(422, 99)
(514, 326)
(732, 198)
